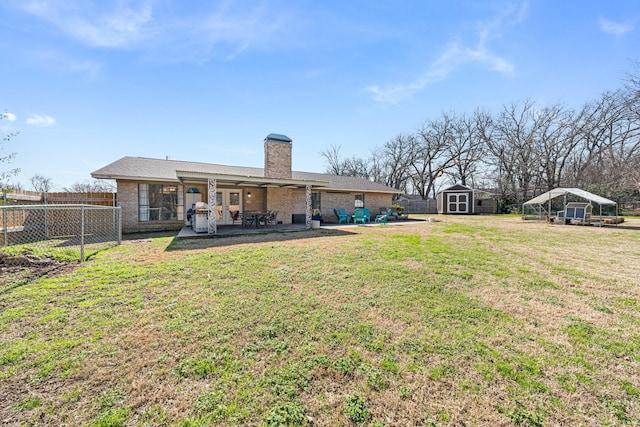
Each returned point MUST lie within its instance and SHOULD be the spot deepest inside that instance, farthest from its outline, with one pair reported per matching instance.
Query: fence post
(6, 226)
(46, 220)
(119, 225)
(82, 233)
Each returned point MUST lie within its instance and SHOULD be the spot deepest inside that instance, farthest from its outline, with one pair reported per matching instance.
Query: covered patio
(234, 230)
(229, 230)
(230, 200)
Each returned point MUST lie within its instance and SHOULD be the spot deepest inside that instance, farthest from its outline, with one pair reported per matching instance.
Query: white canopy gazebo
(547, 197)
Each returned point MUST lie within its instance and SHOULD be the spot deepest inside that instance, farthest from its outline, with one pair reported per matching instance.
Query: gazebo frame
(546, 199)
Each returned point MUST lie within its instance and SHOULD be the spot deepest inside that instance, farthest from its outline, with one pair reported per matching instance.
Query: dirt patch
(20, 269)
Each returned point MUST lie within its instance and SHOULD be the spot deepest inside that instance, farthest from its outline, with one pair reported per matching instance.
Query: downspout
(473, 201)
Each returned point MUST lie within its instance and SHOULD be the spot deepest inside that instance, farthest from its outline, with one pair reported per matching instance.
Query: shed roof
(557, 192)
(457, 187)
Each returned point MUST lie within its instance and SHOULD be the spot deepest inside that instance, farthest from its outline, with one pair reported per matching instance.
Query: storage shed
(457, 199)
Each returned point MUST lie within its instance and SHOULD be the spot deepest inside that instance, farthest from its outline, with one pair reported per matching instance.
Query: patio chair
(248, 219)
(358, 216)
(235, 216)
(272, 218)
(382, 219)
(343, 213)
(367, 214)
(341, 219)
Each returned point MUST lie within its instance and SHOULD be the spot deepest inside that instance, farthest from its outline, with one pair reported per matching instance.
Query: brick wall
(329, 201)
(299, 201)
(277, 160)
(376, 201)
(281, 200)
(257, 200)
(128, 201)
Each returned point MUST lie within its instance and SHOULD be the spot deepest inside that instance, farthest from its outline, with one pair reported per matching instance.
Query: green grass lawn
(468, 321)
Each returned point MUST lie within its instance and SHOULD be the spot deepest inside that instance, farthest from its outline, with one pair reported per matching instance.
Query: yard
(480, 320)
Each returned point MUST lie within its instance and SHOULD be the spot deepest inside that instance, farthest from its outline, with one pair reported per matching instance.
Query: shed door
(458, 202)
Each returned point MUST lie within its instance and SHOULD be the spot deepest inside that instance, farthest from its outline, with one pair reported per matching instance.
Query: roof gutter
(260, 181)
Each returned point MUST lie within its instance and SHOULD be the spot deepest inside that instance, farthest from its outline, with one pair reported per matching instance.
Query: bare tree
(355, 166)
(334, 164)
(398, 154)
(376, 166)
(632, 89)
(609, 132)
(432, 157)
(41, 183)
(95, 186)
(14, 185)
(523, 150)
(513, 145)
(556, 140)
(6, 174)
(467, 149)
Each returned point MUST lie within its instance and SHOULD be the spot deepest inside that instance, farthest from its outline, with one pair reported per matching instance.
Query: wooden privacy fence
(428, 206)
(21, 197)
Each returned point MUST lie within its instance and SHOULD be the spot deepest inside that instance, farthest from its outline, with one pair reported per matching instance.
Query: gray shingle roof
(147, 169)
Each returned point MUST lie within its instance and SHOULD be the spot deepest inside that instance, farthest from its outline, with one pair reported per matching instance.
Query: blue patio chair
(343, 213)
(383, 218)
(367, 214)
(341, 219)
(358, 216)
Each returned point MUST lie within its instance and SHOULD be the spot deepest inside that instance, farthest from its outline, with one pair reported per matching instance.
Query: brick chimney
(277, 156)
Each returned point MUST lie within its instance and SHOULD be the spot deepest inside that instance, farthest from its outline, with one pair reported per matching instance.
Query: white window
(158, 202)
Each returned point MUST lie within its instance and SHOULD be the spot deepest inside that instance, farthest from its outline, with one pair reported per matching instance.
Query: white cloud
(88, 67)
(125, 24)
(616, 28)
(38, 120)
(456, 55)
(60, 61)
(226, 28)
(9, 116)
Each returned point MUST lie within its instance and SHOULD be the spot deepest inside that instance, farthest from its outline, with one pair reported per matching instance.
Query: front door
(228, 206)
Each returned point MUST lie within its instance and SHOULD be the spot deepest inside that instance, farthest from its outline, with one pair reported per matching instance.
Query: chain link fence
(68, 232)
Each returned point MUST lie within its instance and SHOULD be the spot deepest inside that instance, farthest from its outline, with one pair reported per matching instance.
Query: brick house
(155, 194)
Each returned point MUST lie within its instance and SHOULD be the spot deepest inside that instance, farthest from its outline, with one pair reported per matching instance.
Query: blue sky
(87, 82)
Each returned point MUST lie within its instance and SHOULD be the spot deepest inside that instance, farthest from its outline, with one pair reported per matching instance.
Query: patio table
(254, 219)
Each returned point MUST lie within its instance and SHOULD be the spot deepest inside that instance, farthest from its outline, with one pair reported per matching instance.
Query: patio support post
(212, 223)
(308, 212)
